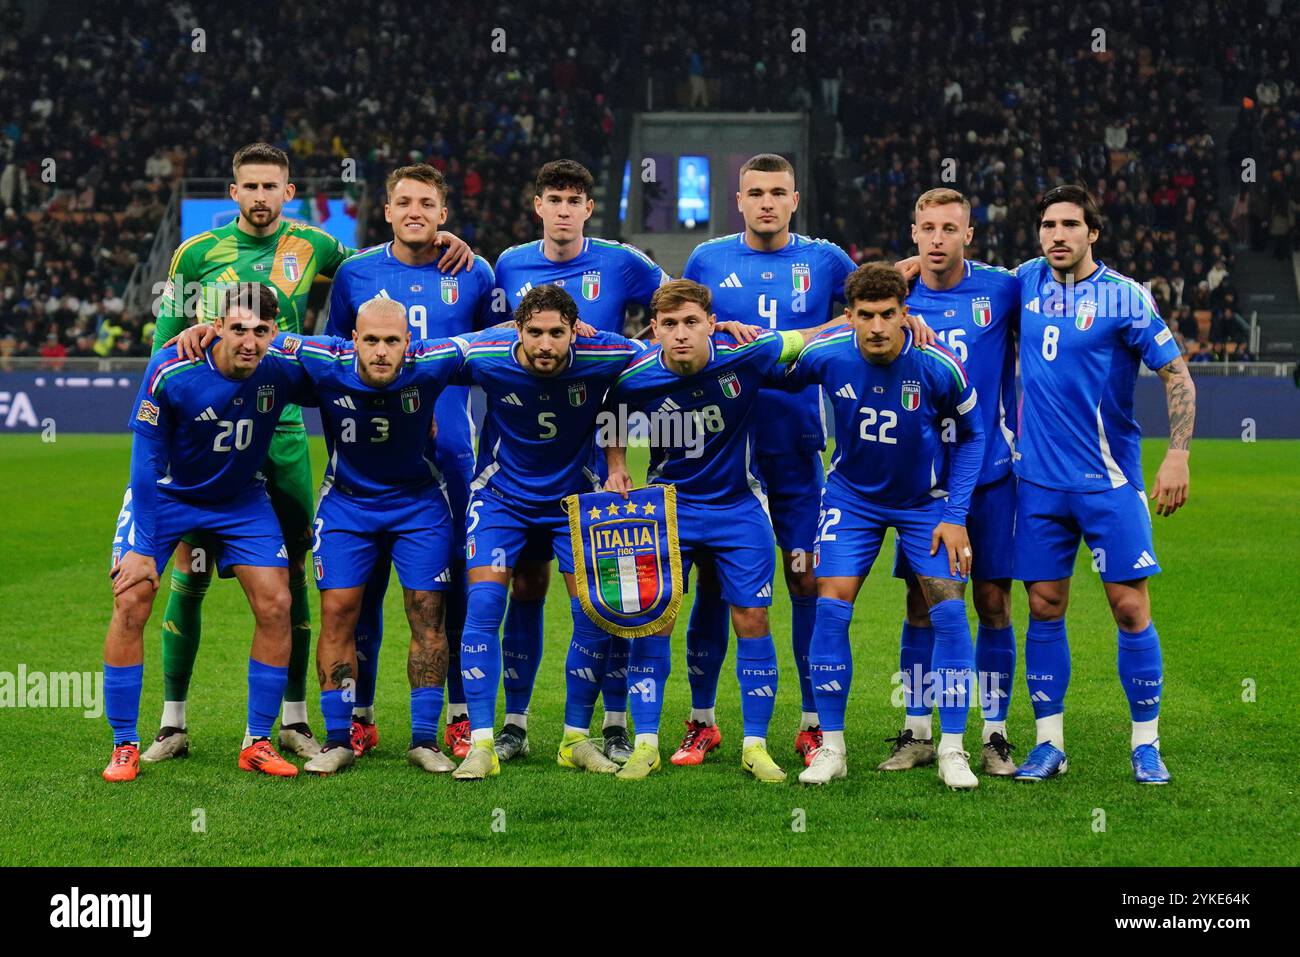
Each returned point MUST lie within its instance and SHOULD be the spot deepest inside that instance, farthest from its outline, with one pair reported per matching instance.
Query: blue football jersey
(1080, 345)
(975, 321)
(603, 279)
(215, 430)
(889, 421)
(437, 306)
(792, 288)
(700, 425)
(538, 430)
(377, 437)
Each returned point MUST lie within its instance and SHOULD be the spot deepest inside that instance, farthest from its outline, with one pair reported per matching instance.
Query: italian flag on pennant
(628, 584)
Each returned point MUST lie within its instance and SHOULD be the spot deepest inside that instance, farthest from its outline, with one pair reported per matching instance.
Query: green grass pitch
(1224, 607)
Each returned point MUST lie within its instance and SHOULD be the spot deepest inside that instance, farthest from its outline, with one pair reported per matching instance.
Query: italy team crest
(981, 311)
(577, 394)
(590, 285)
(800, 277)
(730, 385)
(450, 291)
(290, 266)
(1087, 312)
(410, 399)
(627, 561)
(265, 398)
(911, 395)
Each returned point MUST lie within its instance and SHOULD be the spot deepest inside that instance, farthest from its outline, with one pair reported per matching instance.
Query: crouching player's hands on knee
(130, 570)
(955, 541)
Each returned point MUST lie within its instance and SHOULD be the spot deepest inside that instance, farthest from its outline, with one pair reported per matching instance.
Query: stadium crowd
(1018, 98)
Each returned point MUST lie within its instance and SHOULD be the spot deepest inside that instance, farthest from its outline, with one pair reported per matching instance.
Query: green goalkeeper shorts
(289, 483)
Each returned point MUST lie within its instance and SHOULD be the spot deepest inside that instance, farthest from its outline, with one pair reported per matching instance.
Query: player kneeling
(202, 429)
(377, 396)
(890, 396)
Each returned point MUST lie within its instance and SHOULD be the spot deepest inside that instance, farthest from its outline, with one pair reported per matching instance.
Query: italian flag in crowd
(628, 584)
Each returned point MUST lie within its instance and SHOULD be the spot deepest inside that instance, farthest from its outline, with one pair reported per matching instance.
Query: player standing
(544, 385)
(1084, 328)
(890, 398)
(711, 386)
(603, 277)
(780, 280)
(260, 245)
(202, 430)
(974, 310)
(437, 305)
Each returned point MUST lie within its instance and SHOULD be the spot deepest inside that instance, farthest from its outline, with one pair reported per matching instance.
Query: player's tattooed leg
(942, 589)
(426, 664)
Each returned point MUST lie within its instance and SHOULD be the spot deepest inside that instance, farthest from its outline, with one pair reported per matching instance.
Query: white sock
(650, 739)
(951, 742)
(834, 740)
(570, 729)
(173, 714)
(1052, 729)
(994, 727)
(294, 712)
(364, 714)
(808, 719)
(1145, 732)
(521, 720)
(456, 711)
(919, 725)
(753, 740)
(616, 719)
(704, 715)
(481, 734)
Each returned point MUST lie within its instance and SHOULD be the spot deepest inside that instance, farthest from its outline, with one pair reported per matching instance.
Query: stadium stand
(1018, 97)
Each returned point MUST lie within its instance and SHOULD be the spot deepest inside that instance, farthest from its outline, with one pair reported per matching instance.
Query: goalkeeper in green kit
(259, 246)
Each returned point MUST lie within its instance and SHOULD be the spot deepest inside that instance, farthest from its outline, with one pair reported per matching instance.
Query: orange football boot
(260, 756)
(125, 763)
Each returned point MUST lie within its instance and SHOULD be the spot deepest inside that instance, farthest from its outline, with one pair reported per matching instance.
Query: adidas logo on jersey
(523, 290)
(764, 692)
(345, 402)
(444, 576)
(1032, 305)
(586, 674)
(207, 415)
(831, 686)
(731, 282)
(668, 405)
(511, 399)
(282, 553)
(846, 392)
(1145, 561)
(765, 591)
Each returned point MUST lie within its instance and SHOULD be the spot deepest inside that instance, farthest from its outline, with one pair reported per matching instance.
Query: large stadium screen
(200, 215)
(693, 191)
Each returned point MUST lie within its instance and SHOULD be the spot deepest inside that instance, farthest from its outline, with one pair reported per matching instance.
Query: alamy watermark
(53, 689)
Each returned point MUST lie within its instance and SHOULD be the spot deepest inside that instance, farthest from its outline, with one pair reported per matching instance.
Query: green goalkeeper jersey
(289, 260)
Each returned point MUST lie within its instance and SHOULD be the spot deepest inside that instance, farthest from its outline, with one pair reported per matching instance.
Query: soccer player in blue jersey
(890, 397)
(438, 304)
(1084, 328)
(706, 386)
(382, 494)
(544, 386)
(604, 278)
(974, 310)
(202, 430)
(780, 280)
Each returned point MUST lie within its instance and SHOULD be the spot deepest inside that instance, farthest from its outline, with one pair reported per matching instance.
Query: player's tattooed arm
(1173, 477)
